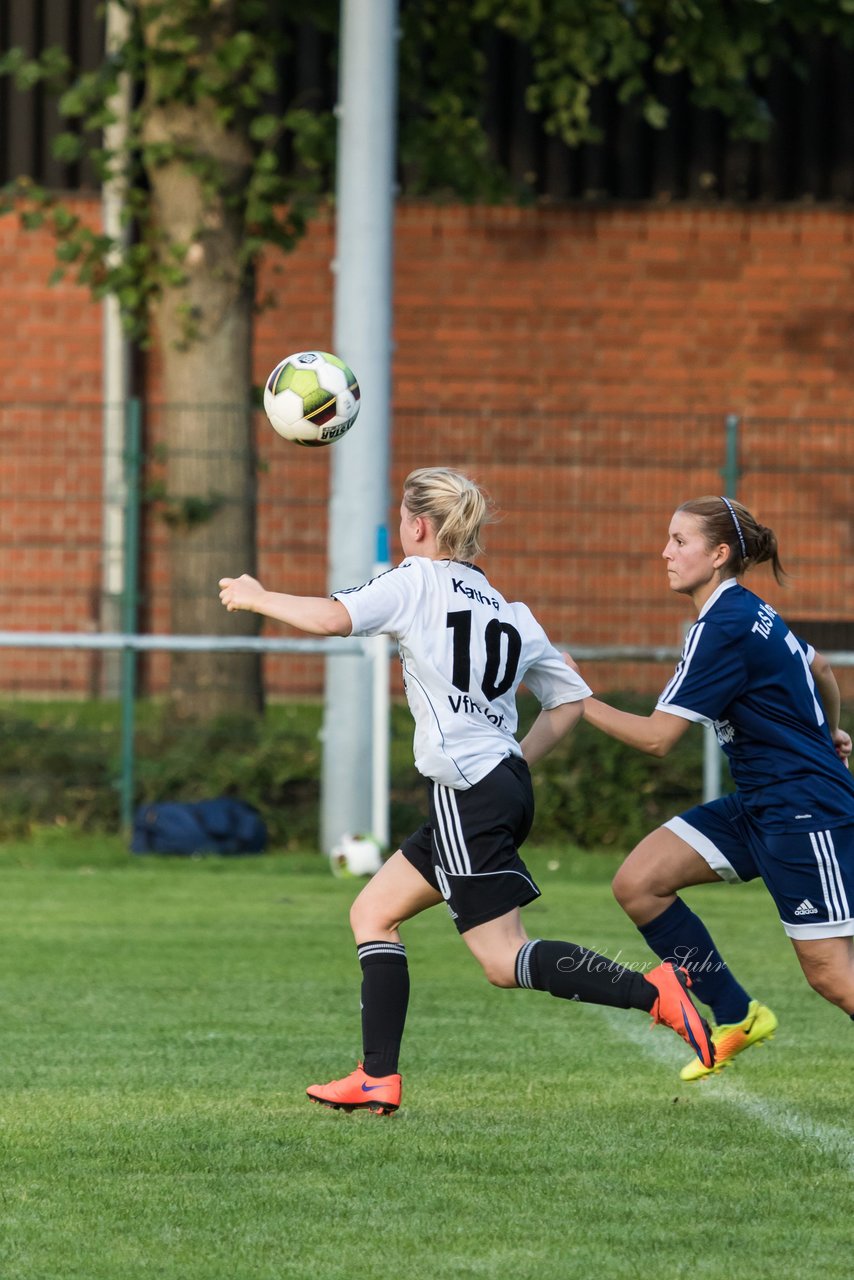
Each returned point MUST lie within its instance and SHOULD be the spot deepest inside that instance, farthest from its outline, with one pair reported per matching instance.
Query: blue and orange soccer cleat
(729, 1040)
(359, 1092)
(675, 1009)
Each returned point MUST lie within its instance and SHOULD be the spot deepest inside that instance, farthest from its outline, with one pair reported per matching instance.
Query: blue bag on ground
(224, 825)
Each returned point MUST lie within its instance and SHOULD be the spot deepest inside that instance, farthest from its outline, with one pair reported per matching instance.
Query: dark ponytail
(750, 543)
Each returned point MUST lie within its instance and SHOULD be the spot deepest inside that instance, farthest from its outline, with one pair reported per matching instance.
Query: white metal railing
(179, 644)
(377, 648)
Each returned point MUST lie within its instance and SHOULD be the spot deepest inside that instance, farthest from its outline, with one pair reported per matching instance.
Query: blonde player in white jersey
(464, 651)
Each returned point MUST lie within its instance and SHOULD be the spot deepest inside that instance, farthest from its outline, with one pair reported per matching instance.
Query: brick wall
(579, 361)
(680, 310)
(672, 310)
(51, 346)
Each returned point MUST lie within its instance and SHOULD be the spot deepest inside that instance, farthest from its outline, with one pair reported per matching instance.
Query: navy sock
(385, 999)
(571, 972)
(680, 936)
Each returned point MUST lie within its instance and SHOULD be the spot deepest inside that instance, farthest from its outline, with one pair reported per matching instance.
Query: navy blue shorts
(809, 874)
(469, 848)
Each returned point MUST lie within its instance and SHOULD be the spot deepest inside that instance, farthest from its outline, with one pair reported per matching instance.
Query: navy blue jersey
(744, 671)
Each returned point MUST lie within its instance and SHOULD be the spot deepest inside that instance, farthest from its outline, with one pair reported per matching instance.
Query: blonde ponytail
(457, 507)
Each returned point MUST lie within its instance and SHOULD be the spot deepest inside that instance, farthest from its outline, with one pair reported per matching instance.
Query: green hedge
(60, 766)
(605, 795)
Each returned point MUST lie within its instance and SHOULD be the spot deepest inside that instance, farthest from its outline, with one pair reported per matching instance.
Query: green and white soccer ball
(356, 856)
(312, 398)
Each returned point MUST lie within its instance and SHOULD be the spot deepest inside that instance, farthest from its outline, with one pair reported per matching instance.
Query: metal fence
(584, 502)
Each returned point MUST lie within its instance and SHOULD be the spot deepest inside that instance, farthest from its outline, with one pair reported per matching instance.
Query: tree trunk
(204, 326)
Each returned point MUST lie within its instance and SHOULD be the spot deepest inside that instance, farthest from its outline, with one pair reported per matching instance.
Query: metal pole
(712, 754)
(115, 378)
(712, 761)
(729, 471)
(360, 462)
(130, 601)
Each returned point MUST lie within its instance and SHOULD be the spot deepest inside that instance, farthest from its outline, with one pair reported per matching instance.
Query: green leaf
(11, 61)
(68, 251)
(64, 220)
(262, 128)
(655, 113)
(235, 54)
(68, 147)
(27, 76)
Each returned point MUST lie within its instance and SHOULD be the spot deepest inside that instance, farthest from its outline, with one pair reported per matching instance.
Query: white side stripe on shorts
(449, 834)
(831, 876)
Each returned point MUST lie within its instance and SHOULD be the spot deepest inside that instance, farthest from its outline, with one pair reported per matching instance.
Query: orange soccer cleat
(675, 1008)
(380, 1094)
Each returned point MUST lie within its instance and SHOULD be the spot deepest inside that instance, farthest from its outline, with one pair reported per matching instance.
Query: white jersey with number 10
(464, 650)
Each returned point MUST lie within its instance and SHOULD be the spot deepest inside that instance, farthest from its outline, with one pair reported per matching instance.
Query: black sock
(571, 972)
(385, 997)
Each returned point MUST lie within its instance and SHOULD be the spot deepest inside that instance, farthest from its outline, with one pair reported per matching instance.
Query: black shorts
(469, 849)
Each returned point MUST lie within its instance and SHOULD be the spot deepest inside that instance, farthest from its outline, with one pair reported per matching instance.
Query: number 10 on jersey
(499, 652)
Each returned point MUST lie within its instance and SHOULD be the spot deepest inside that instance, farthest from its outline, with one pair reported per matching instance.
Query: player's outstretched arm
(828, 691)
(655, 734)
(318, 615)
(548, 729)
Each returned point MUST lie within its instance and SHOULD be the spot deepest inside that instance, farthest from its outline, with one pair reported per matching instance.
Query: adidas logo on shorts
(806, 909)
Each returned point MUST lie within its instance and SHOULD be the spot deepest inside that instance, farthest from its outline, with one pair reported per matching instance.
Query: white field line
(835, 1143)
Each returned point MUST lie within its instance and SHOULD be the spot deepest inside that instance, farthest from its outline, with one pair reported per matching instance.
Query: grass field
(161, 1018)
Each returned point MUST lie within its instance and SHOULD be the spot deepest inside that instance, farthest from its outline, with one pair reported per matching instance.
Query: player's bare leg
(828, 965)
(647, 882)
(395, 894)
(496, 944)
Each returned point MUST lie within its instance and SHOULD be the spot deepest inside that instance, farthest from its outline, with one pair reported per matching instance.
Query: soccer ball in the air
(312, 398)
(356, 856)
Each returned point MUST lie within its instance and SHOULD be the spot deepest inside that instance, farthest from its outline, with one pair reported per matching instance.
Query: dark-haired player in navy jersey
(774, 703)
(464, 650)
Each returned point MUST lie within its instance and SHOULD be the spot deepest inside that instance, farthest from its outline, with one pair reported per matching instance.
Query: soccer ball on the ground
(356, 856)
(312, 398)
